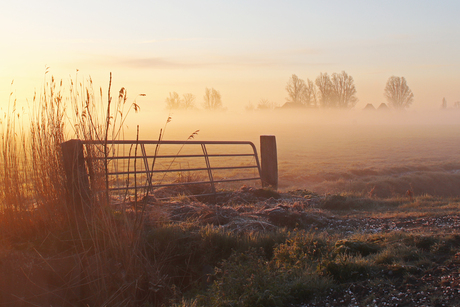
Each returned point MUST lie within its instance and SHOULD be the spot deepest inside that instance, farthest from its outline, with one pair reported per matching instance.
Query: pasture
(341, 229)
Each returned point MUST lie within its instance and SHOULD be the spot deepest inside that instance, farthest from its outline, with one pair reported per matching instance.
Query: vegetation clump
(356, 247)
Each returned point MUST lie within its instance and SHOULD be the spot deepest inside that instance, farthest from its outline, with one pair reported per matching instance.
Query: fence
(134, 171)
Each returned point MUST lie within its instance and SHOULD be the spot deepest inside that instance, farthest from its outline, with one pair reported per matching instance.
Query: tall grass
(15, 195)
(35, 205)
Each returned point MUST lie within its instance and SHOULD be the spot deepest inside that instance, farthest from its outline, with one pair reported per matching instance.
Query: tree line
(327, 91)
(335, 91)
(339, 91)
(212, 100)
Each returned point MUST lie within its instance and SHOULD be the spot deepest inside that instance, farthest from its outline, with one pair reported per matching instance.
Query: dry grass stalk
(35, 205)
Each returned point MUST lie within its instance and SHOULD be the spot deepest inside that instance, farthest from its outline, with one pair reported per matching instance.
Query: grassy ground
(323, 251)
(253, 248)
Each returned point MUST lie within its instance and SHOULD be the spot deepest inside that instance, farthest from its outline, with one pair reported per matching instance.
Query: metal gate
(130, 165)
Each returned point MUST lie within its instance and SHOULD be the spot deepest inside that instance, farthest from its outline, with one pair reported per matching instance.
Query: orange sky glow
(246, 50)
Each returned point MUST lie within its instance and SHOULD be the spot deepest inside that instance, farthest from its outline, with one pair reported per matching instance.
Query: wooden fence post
(269, 161)
(77, 177)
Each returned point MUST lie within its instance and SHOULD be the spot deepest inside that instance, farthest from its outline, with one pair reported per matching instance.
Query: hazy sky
(245, 49)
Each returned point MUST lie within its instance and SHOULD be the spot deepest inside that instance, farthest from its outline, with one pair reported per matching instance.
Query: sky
(247, 50)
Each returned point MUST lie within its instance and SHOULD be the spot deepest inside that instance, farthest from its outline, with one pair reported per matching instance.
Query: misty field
(385, 159)
(341, 228)
(356, 152)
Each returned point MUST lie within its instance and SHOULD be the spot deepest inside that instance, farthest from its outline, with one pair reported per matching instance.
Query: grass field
(342, 229)
(352, 151)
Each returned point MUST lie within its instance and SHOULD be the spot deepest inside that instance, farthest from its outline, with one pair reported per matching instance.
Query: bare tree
(173, 101)
(188, 101)
(296, 90)
(207, 98)
(398, 93)
(309, 95)
(326, 91)
(212, 99)
(266, 104)
(300, 93)
(345, 90)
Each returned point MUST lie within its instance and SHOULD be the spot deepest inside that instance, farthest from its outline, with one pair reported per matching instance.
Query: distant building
(369, 107)
(383, 107)
(292, 105)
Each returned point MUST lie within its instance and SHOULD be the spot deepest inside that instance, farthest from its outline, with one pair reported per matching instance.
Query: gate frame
(78, 181)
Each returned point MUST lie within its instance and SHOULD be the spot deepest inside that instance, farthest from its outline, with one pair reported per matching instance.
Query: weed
(424, 242)
(356, 247)
(346, 268)
(302, 248)
(250, 279)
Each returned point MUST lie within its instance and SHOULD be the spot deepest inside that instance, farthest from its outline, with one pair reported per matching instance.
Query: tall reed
(114, 242)
(15, 195)
(35, 205)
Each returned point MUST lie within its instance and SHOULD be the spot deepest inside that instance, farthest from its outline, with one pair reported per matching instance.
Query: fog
(335, 151)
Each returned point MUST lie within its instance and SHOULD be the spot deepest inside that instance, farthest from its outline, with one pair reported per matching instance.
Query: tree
(265, 104)
(173, 101)
(398, 93)
(345, 91)
(188, 101)
(326, 91)
(309, 95)
(337, 91)
(300, 93)
(212, 99)
(296, 91)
